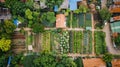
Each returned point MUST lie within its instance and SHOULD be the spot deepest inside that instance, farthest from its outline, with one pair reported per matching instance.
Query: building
(115, 27)
(115, 7)
(60, 21)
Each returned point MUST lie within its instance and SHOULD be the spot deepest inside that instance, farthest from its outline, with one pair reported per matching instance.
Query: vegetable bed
(100, 45)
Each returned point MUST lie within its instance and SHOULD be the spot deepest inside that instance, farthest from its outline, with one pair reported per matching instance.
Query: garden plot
(55, 42)
(81, 42)
(87, 42)
(100, 45)
(79, 20)
(46, 41)
(75, 41)
(67, 42)
(88, 21)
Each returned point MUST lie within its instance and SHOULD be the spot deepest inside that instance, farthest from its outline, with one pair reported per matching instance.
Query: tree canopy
(105, 14)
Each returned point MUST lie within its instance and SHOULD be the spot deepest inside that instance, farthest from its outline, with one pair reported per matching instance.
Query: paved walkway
(109, 44)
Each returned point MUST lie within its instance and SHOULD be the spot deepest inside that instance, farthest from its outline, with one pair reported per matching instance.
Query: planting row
(100, 45)
(67, 42)
(79, 20)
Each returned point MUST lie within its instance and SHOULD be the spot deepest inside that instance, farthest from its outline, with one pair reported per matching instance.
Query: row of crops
(63, 42)
(79, 20)
(100, 45)
(81, 42)
(67, 42)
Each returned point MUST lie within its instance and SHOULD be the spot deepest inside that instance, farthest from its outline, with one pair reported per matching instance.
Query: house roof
(115, 27)
(116, 63)
(94, 62)
(115, 10)
(60, 21)
(73, 4)
(2, 0)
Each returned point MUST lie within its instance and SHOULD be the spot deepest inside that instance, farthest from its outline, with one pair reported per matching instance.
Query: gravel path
(109, 44)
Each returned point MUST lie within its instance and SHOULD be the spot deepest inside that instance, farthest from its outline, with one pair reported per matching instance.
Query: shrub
(108, 57)
(79, 62)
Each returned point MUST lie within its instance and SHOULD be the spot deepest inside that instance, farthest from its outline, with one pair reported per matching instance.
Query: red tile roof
(60, 21)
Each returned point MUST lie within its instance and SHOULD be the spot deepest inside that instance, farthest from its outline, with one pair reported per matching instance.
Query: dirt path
(109, 44)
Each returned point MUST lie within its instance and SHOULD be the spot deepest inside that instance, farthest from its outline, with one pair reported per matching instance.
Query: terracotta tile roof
(94, 62)
(115, 10)
(116, 18)
(60, 21)
(2, 0)
(115, 34)
(116, 63)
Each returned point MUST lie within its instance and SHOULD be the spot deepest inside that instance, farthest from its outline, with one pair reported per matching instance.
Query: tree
(117, 40)
(8, 26)
(108, 57)
(5, 44)
(79, 62)
(105, 14)
(37, 27)
(52, 3)
(48, 18)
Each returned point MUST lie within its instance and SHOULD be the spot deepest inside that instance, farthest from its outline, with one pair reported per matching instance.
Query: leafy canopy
(5, 44)
(9, 27)
(49, 17)
(108, 57)
(105, 14)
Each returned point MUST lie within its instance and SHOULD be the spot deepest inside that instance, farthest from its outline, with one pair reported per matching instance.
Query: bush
(108, 57)
(108, 64)
(3, 61)
(79, 62)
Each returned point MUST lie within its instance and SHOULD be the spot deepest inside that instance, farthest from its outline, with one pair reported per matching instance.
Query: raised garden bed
(79, 20)
(100, 45)
(87, 42)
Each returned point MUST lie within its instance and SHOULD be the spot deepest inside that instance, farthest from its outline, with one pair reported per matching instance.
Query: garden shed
(60, 21)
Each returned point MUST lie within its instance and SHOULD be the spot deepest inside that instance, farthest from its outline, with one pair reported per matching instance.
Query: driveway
(109, 44)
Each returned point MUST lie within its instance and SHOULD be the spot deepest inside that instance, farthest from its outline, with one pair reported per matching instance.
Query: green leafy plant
(28, 14)
(48, 18)
(52, 3)
(100, 45)
(37, 27)
(105, 14)
(108, 57)
(5, 44)
(3, 61)
(16, 60)
(9, 27)
(79, 62)
(64, 42)
(117, 40)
